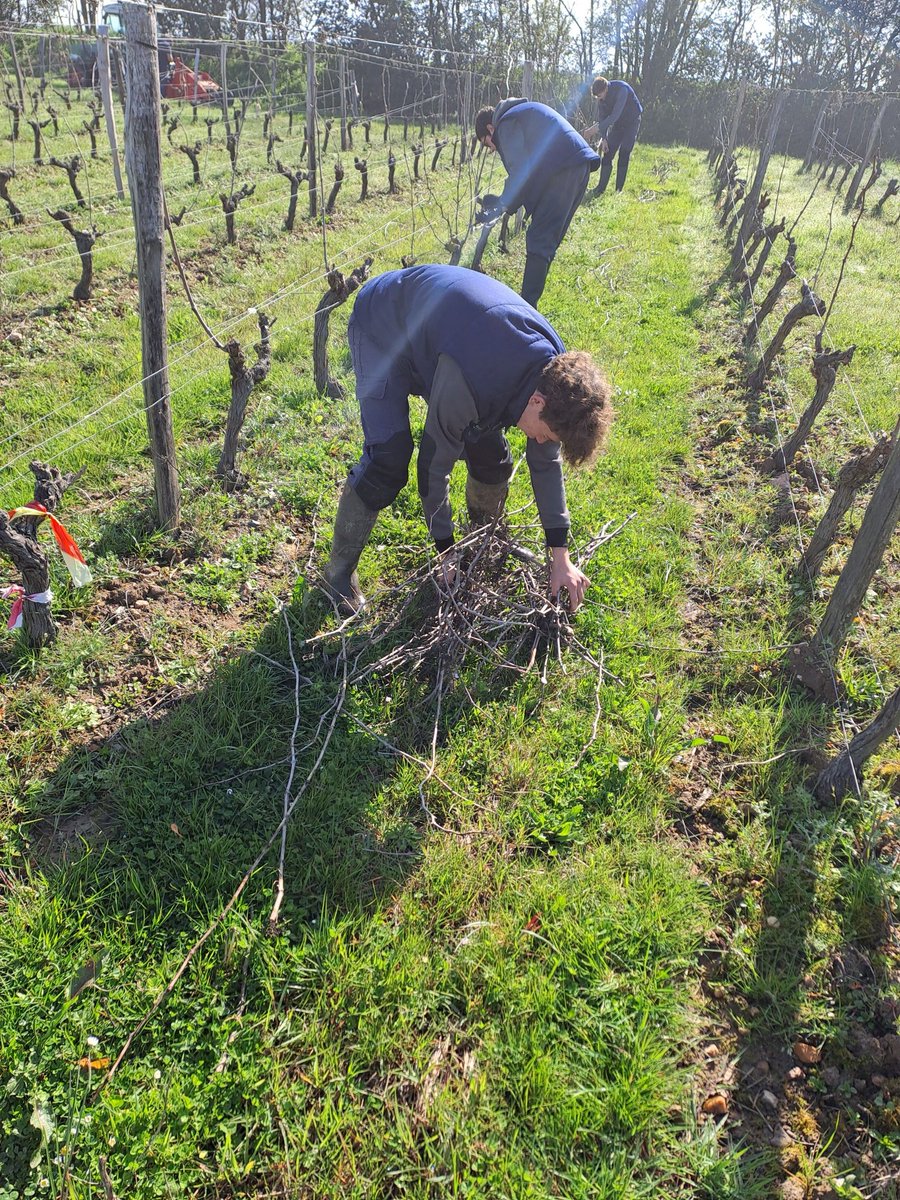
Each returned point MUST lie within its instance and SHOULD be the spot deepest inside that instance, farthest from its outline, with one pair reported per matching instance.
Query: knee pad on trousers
(382, 475)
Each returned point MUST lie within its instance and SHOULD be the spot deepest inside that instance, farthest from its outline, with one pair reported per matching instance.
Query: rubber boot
(535, 277)
(353, 526)
(486, 502)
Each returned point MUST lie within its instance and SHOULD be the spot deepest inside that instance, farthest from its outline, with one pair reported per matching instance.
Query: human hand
(564, 574)
(590, 132)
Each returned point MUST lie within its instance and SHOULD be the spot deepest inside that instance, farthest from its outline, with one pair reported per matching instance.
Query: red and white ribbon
(15, 613)
(68, 547)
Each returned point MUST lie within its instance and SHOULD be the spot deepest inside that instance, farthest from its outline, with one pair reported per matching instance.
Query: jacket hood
(505, 105)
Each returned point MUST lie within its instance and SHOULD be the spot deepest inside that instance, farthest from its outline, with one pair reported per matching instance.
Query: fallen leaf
(175, 829)
(93, 1064)
(533, 924)
(715, 1106)
(805, 1053)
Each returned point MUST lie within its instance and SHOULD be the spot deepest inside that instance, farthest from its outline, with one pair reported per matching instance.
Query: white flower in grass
(157, 1074)
(92, 1042)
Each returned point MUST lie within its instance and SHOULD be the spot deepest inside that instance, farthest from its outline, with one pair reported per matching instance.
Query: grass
(519, 1008)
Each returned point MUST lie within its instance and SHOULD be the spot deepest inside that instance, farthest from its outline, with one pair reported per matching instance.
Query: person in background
(484, 361)
(548, 165)
(618, 124)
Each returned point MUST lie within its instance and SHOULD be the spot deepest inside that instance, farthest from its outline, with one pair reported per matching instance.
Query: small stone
(15, 338)
(769, 1098)
(781, 1138)
(711, 1050)
(807, 1054)
(762, 1067)
(831, 1076)
(155, 592)
(772, 922)
(795, 1073)
(715, 1106)
(142, 604)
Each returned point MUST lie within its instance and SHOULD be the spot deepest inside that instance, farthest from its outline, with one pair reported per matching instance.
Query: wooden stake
(311, 126)
(867, 157)
(223, 80)
(106, 95)
(756, 190)
(18, 72)
(735, 120)
(342, 84)
(143, 157)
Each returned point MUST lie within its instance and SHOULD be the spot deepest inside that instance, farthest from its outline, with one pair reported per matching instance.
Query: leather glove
(490, 209)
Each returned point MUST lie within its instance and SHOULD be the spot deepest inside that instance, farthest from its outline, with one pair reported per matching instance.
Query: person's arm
(515, 159)
(545, 465)
(618, 108)
(451, 408)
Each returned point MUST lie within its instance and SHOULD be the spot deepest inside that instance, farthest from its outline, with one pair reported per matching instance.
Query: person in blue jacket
(548, 165)
(483, 360)
(618, 125)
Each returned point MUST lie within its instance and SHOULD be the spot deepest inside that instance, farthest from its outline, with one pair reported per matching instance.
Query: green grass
(514, 1009)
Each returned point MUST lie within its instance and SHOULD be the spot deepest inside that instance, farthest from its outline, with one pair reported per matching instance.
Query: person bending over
(548, 165)
(618, 123)
(484, 361)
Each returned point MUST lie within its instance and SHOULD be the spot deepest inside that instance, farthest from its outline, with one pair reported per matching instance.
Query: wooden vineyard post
(17, 71)
(750, 204)
(311, 126)
(143, 157)
(867, 157)
(223, 79)
(813, 141)
(842, 775)
(865, 557)
(735, 120)
(106, 95)
(342, 84)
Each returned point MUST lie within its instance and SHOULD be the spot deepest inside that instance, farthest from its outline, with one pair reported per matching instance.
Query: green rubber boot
(353, 526)
(485, 501)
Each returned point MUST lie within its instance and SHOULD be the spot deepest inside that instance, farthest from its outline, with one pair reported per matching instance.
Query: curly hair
(577, 405)
(600, 84)
(483, 118)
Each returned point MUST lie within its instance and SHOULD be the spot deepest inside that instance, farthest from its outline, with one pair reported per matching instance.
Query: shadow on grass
(142, 837)
(820, 1031)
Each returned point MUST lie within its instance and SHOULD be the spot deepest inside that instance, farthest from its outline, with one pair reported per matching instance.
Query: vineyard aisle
(538, 939)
